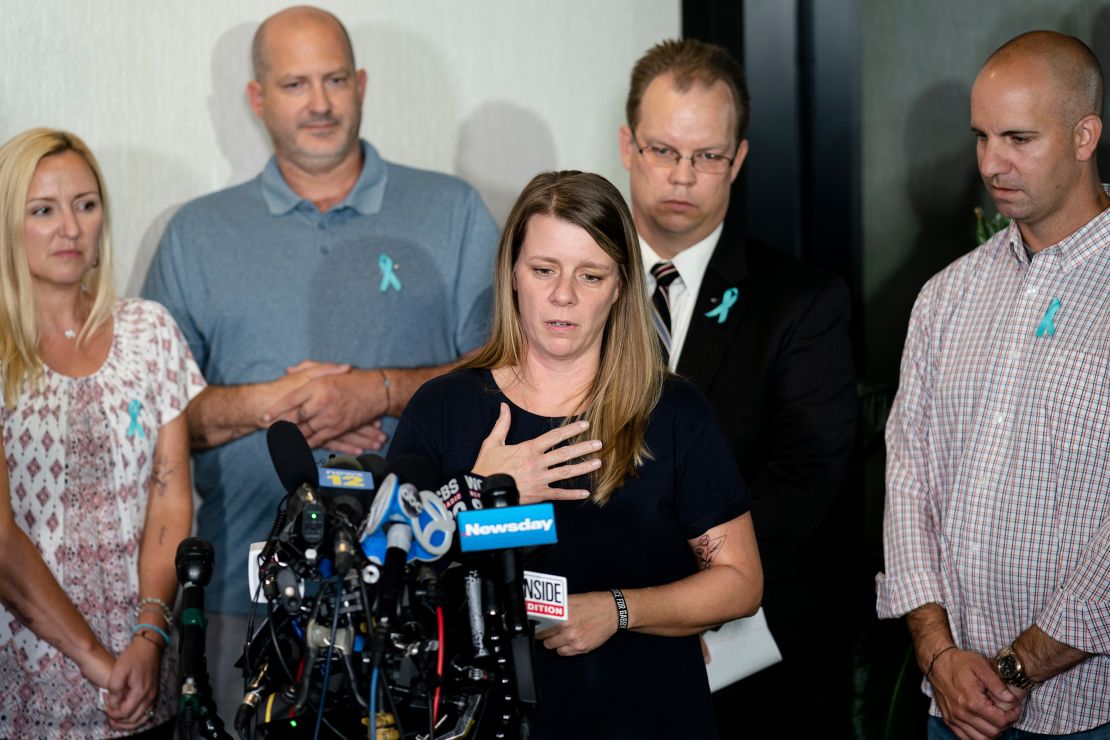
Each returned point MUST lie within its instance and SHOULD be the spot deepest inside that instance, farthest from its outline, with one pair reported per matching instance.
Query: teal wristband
(140, 626)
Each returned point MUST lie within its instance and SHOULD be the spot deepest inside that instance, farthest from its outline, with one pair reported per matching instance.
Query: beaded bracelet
(140, 626)
(162, 607)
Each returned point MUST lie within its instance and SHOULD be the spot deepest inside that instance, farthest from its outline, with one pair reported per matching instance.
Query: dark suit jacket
(780, 376)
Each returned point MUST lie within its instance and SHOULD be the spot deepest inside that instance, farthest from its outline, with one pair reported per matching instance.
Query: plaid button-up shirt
(998, 471)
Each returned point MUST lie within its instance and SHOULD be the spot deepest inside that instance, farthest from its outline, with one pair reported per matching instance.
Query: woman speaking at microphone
(95, 493)
(655, 539)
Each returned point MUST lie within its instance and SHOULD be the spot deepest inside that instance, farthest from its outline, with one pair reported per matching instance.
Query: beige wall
(491, 90)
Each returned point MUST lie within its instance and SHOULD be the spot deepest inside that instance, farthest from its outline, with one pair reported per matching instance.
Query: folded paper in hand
(738, 649)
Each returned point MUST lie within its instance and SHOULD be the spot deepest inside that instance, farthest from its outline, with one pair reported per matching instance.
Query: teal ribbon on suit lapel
(727, 302)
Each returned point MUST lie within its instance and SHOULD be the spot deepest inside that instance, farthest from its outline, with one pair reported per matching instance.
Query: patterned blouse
(79, 454)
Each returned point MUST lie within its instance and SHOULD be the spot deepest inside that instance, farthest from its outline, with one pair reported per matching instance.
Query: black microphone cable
(327, 660)
(272, 538)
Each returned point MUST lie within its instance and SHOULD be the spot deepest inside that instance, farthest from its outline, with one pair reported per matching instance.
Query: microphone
(251, 699)
(373, 464)
(406, 522)
(404, 499)
(296, 468)
(291, 456)
(346, 506)
(461, 492)
(500, 492)
(193, 563)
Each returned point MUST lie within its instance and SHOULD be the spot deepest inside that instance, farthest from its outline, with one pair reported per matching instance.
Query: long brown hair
(630, 375)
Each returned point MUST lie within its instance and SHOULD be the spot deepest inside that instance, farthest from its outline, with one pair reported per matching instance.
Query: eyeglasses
(709, 163)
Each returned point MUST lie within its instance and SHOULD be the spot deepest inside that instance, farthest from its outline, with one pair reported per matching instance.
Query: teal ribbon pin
(1046, 328)
(134, 428)
(721, 311)
(389, 278)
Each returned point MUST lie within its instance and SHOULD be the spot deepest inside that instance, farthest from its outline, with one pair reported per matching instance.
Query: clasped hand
(975, 702)
(131, 681)
(538, 463)
(333, 406)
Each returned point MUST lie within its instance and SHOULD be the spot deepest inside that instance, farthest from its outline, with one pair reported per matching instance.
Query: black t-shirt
(634, 685)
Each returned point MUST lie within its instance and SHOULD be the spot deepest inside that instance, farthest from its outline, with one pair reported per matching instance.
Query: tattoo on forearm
(161, 535)
(160, 475)
(706, 549)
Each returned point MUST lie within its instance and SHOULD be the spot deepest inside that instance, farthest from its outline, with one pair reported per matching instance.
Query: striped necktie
(664, 273)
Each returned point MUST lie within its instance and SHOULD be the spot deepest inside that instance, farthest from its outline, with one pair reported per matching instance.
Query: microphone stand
(194, 569)
(500, 491)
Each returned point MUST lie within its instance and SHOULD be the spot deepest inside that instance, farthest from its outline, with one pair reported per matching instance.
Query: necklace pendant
(70, 333)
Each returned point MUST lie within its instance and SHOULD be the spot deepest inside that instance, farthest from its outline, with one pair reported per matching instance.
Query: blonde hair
(630, 375)
(19, 330)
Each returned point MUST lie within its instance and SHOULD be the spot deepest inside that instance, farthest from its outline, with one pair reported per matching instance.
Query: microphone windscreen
(343, 462)
(291, 456)
(374, 464)
(415, 469)
(499, 489)
(194, 560)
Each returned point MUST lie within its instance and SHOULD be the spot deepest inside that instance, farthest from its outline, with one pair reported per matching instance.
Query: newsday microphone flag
(505, 528)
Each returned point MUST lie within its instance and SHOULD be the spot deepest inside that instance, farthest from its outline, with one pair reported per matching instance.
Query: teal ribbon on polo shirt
(389, 278)
(727, 302)
(134, 427)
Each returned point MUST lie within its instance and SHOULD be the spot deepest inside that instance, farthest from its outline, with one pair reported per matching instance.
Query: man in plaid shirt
(997, 526)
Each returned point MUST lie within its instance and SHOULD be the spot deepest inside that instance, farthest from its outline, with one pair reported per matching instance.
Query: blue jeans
(940, 731)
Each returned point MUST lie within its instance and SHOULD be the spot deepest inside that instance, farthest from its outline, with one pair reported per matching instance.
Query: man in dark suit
(765, 337)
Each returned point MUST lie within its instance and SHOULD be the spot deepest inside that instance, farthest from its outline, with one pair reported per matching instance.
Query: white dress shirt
(691, 264)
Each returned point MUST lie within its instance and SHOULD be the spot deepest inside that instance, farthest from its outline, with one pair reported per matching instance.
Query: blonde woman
(654, 536)
(95, 495)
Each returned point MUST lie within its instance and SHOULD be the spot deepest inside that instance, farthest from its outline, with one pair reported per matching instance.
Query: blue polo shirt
(396, 275)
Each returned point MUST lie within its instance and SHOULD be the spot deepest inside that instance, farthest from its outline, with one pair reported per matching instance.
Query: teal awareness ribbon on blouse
(1046, 328)
(134, 428)
(727, 301)
(389, 278)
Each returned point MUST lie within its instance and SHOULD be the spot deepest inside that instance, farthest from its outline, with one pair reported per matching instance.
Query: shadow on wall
(141, 165)
(942, 184)
(1100, 45)
(241, 137)
(411, 108)
(501, 147)
(148, 243)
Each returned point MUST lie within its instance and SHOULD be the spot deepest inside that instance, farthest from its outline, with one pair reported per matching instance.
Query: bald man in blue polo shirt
(324, 291)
